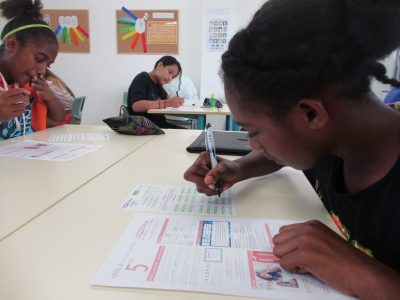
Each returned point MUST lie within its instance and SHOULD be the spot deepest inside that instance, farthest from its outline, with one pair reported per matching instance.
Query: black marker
(210, 146)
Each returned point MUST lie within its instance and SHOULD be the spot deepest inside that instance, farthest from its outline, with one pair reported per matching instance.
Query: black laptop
(226, 142)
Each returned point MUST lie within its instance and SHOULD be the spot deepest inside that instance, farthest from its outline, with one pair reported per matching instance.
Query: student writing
(146, 91)
(298, 79)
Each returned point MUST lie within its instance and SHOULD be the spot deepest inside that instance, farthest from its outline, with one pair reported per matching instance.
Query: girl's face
(288, 142)
(165, 74)
(30, 61)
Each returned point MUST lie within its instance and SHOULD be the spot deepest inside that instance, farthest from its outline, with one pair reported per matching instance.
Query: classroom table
(57, 254)
(200, 113)
(29, 187)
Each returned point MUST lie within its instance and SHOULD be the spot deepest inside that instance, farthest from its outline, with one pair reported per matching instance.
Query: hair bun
(375, 26)
(21, 8)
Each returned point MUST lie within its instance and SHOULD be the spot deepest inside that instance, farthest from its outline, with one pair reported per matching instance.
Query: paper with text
(214, 255)
(47, 151)
(178, 199)
(71, 137)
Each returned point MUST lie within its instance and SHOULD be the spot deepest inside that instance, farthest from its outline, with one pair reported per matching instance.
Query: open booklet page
(178, 199)
(214, 255)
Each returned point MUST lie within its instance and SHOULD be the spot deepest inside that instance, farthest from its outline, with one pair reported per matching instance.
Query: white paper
(192, 103)
(178, 199)
(215, 255)
(70, 137)
(183, 108)
(47, 151)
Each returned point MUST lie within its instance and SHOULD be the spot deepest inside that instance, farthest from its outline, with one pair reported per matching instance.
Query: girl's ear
(313, 112)
(160, 65)
(11, 44)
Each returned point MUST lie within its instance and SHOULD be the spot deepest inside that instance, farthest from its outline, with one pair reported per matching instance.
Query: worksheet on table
(178, 199)
(47, 151)
(78, 136)
(206, 254)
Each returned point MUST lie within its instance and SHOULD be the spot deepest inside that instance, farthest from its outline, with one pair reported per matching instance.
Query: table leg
(201, 121)
(230, 124)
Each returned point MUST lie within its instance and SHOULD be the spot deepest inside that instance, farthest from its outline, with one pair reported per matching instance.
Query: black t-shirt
(370, 218)
(144, 88)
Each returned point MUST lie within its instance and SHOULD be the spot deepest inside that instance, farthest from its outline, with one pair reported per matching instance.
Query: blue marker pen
(210, 146)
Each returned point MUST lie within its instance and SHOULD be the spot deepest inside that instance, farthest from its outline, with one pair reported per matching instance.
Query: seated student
(302, 91)
(146, 91)
(182, 86)
(63, 94)
(29, 47)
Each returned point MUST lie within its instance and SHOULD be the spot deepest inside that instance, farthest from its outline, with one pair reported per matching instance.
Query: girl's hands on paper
(226, 171)
(12, 103)
(175, 102)
(312, 247)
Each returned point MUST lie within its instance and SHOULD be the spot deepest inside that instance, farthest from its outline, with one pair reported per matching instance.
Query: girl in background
(146, 91)
(63, 93)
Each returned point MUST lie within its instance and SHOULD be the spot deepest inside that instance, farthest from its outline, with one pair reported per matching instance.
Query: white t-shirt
(187, 89)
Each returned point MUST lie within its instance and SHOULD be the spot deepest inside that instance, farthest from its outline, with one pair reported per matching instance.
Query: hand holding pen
(12, 103)
(175, 102)
(210, 146)
(227, 172)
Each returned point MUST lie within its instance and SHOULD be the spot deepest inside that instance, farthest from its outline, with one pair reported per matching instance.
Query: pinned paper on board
(147, 31)
(71, 28)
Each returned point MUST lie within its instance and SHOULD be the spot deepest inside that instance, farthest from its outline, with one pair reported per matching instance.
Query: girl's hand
(204, 177)
(42, 87)
(12, 103)
(312, 247)
(175, 102)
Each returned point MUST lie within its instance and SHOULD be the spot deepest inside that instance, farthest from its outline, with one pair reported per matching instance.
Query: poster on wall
(147, 31)
(217, 29)
(71, 26)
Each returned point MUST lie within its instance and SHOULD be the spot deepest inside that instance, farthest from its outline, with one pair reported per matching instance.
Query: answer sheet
(47, 151)
(178, 199)
(71, 137)
(213, 255)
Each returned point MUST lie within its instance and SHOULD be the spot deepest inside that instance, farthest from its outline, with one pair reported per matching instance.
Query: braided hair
(294, 49)
(25, 13)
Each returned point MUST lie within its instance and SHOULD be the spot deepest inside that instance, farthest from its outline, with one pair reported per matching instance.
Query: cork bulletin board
(147, 31)
(71, 27)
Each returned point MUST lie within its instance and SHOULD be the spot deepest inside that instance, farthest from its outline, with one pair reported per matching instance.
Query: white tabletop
(29, 187)
(56, 255)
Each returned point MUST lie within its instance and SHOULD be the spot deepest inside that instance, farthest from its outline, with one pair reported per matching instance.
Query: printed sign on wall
(71, 28)
(217, 34)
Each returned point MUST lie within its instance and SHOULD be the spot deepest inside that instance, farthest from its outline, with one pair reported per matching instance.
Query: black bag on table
(132, 125)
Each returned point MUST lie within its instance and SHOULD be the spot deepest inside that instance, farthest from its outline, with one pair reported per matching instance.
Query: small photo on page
(267, 273)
